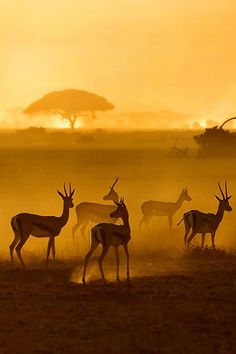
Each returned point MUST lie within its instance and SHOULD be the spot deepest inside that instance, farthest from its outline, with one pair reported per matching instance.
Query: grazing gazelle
(25, 224)
(203, 223)
(94, 212)
(111, 235)
(156, 208)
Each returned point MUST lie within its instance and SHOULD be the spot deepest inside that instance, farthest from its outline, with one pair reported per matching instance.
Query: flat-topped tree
(69, 104)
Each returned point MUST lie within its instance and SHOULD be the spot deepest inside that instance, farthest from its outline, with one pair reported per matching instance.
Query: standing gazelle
(25, 224)
(94, 212)
(202, 223)
(156, 208)
(111, 235)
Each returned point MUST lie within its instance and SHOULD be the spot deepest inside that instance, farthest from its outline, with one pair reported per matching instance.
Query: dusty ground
(182, 306)
(173, 304)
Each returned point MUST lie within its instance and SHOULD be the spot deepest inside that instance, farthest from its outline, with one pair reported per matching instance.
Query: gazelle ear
(228, 198)
(60, 194)
(218, 198)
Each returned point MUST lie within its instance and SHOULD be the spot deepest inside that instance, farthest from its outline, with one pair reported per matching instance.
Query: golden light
(59, 123)
(203, 123)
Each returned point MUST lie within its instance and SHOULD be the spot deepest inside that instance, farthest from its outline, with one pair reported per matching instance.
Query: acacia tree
(217, 141)
(69, 104)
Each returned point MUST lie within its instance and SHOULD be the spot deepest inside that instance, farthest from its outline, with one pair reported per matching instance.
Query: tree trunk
(72, 120)
(72, 123)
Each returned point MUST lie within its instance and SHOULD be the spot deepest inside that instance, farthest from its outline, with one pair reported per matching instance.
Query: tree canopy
(69, 104)
(217, 141)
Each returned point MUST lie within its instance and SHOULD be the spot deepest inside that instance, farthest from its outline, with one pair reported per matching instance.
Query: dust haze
(165, 283)
(33, 169)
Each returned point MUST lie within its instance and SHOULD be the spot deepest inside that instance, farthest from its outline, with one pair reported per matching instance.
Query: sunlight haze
(143, 55)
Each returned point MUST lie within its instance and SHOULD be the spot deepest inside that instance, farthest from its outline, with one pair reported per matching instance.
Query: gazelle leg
(127, 257)
(93, 247)
(170, 221)
(105, 249)
(203, 240)
(13, 245)
(50, 242)
(53, 249)
(18, 249)
(74, 229)
(213, 240)
(193, 233)
(83, 232)
(187, 229)
(117, 262)
(146, 220)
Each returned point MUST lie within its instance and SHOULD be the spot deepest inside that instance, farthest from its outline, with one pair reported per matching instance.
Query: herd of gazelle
(106, 232)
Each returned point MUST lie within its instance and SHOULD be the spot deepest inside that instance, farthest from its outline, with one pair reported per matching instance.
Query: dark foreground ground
(180, 306)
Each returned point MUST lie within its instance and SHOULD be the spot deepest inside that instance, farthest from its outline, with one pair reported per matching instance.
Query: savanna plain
(175, 302)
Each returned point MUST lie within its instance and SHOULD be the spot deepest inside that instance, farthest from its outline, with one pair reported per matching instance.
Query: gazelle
(110, 235)
(156, 208)
(94, 212)
(25, 224)
(204, 223)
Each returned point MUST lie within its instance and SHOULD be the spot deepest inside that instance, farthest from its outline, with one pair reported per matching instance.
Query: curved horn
(226, 191)
(221, 190)
(116, 180)
(70, 188)
(65, 190)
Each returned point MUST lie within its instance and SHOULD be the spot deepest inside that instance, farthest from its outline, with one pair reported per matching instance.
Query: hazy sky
(140, 54)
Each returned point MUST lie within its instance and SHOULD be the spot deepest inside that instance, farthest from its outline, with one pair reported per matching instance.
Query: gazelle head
(121, 211)
(112, 195)
(67, 198)
(185, 195)
(224, 203)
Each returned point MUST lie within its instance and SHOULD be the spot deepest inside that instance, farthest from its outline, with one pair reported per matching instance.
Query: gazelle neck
(220, 213)
(179, 201)
(125, 220)
(65, 214)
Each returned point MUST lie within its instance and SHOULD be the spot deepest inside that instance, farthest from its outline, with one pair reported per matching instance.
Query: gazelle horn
(226, 191)
(221, 190)
(116, 180)
(65, 190)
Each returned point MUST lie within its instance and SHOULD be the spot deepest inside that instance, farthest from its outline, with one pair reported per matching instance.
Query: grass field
(175, 304)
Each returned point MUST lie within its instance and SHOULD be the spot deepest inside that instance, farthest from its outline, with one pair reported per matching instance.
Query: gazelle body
(203, 223)
(156, 208)
(108, 235)
(25, 224)
(87, 212)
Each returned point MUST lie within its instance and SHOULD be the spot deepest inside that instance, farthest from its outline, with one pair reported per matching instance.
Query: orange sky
(140, 54)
